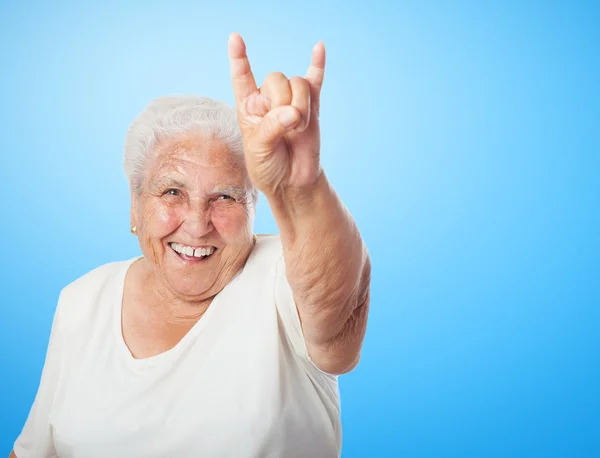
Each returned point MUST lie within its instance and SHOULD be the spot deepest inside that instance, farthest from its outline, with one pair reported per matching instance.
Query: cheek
(161, 220)
(158, 220)
(231, 223)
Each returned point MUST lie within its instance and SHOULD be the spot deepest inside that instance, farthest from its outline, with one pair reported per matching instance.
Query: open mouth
(190, 253)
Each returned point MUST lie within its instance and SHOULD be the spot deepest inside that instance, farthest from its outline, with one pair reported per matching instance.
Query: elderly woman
(215, 342)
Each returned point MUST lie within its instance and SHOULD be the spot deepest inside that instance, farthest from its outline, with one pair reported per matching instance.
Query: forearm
(327, 263)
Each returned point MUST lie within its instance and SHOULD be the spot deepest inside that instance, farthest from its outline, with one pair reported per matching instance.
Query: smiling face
(194, 216)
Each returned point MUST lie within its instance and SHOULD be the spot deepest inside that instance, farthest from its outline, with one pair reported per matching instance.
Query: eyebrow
(168, 182)
(235, 191)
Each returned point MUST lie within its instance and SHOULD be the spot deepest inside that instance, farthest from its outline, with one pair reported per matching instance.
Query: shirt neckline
(152, 361)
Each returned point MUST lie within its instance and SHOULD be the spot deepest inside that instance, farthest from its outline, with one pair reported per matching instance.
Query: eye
(225, 197)
(172, 192)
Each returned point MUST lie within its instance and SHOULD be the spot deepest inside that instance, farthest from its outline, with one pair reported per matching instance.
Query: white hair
(166, 117)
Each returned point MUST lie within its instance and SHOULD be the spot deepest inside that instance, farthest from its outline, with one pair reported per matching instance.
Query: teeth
(189, 251)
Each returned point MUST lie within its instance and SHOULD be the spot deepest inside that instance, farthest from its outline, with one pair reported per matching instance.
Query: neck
(170, 306)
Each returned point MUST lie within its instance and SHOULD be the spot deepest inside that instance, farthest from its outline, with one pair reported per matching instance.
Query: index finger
(241, 73)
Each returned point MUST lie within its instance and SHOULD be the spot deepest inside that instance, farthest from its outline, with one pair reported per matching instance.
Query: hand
(279, 122)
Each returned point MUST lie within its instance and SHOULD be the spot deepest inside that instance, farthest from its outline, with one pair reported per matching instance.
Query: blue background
(463, 137)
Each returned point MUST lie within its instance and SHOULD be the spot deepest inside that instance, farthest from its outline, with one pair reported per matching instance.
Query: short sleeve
(288, 312)
(36, 438)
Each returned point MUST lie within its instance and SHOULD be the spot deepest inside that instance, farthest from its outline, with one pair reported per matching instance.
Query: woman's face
(194, 216)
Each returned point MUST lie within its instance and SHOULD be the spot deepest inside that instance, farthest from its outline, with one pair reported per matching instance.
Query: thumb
(275, 124)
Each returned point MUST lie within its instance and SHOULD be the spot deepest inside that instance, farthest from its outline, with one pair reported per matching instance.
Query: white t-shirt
(238, 385)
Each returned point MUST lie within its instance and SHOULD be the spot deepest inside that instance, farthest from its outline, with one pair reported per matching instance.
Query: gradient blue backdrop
(464, 138)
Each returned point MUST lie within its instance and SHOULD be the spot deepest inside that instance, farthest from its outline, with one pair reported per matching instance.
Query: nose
(198, 222)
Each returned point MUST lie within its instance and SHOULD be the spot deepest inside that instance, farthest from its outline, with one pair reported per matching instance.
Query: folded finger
(301, 100)
(277, 89)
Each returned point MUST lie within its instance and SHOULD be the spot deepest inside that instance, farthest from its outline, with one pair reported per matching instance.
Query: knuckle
(278, 89)
(275, 77)
(300, 87)
(299, 81)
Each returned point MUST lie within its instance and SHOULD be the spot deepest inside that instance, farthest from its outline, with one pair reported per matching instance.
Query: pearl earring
(134, 230)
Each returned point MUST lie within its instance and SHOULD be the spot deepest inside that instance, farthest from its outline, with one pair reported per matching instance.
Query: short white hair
(166, 117)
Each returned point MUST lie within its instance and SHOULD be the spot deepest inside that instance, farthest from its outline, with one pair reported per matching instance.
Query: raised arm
(326, 261)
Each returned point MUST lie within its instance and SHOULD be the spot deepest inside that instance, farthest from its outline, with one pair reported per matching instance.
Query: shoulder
(81, 298)
(268, 249)
(264, 263)
(94, 280)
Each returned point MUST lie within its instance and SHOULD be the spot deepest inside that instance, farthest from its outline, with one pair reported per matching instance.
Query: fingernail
(288, 117)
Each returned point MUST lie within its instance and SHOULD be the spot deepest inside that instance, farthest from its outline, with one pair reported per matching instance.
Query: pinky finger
(316, 72)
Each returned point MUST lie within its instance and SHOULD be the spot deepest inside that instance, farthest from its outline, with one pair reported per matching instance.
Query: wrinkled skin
(195, 193)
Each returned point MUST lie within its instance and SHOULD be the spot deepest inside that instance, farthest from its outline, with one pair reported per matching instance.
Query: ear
(132, 210)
